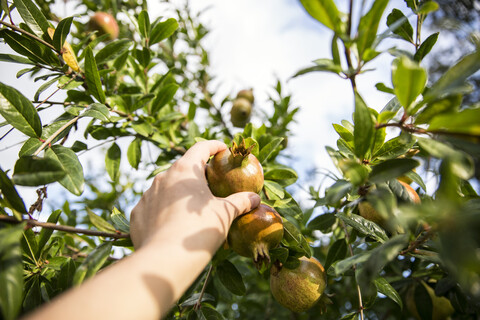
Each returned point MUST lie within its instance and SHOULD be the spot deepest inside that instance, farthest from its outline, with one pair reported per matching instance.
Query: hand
(179, 205)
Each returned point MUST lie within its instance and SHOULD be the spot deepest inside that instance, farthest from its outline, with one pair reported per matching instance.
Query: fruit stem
(200, 297)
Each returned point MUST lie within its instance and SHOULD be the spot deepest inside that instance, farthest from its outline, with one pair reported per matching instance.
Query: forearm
(142, 286)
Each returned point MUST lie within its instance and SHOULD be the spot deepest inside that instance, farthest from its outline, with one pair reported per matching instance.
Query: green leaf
(379, 257)
(98, 111)
(11, 272)
(364, 226)
(326, 12)
(449, 104)
(19, 111)
(208, 312)
(283, 176)
(274, 190)
(112, 161)
(465, 121)
(323, 222)
(100, 223)
(394, 148)
(364, 129)
(386, 288)
(403, 27)
(44, 87)
(426, 47)
(163, 30)
(120, 221)
(10, 194)
(268, 150)
(337, 191)
(353, 171)
(409, 80)
(294, 238)
(35, 171)
(46, 233)
(455, 77)
(423, 302)
(134, 153)
(340, 267)
(144, 24)
(15, 59)
(61, 33)
(337, 251)
(163, 96)
(427, 7)
(391, 169)
(92, 77)
(321, 65)
(29, 48)
(112, 51)
(74, 180)
(32, 16)
(368, 26)
(231, 278)
(92, 263)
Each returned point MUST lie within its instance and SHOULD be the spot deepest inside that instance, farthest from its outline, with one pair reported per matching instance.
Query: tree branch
(11, 26)
(53, 226)
(55, 134)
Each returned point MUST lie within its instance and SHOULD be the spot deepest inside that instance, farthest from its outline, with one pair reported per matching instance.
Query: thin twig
(199, 301)
(48, 225)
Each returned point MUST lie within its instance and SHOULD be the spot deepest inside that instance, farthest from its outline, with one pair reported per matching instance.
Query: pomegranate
(255, 233)
(247, 94)
(240, 112)
(234, 170)
(298, 289)
(104, 23)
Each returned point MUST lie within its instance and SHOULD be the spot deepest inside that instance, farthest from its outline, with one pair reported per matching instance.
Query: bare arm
(176, 228)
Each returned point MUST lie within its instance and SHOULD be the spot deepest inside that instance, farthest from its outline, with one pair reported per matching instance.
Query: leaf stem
(48, 225)
(200, 297)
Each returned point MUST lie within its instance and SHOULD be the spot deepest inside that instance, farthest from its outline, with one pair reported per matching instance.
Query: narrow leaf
(144, 24)
(409, 80)
(120, 221)
(100, 223)
(391, 169)
(368, 26)
(35, 171)
(112, 161)
(98, 111)
(337, 251)
(46, 233)
(112, 51)
(134, 153)
(10, 194)
(61, 33)
(19, 111)
(32, 16)
(386, 288)
(426, 47)
(163, 97)
(74, 180)
(163, 30)
(231, 278)
(364, 226)
(326, 12)
(267, 150)
(92, 263)
(92, 76)
(364, 128)
(403, 27)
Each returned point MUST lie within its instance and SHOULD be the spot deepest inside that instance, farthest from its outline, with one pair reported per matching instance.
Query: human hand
(180, 207)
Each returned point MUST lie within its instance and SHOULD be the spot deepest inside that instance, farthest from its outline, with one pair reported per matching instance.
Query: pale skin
(176, 228)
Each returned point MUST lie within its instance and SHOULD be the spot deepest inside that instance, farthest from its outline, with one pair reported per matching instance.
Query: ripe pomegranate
(240, 112)
(104, 23)
(234, 170)
(298, 289)
(255, 233)
(247, 94)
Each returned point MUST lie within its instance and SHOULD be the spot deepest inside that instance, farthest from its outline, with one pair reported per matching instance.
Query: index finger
(203, 150)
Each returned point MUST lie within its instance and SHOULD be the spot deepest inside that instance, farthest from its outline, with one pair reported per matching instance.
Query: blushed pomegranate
(298, 289)
(255, 233)
(234, 170)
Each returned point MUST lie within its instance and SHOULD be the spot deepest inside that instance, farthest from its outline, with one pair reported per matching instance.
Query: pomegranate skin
(253, 234)
(228, 173)
(298, 289)
(104, 23)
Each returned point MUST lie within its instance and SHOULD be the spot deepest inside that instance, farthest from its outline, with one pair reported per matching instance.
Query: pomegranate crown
(241, 149)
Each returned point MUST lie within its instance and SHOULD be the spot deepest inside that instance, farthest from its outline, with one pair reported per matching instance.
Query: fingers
(203, 150)
(243, 202)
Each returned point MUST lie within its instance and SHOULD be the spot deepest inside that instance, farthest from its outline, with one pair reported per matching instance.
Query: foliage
(149, 91)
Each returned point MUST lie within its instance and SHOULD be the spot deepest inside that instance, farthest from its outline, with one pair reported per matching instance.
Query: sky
(252, 44)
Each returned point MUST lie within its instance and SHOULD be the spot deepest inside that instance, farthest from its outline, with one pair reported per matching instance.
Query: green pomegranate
(247, 94)
(234, 170)
(240, 112)
(298, 289)
(253, 234)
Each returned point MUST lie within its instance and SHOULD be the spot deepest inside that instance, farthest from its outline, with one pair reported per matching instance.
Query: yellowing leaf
(68, 54)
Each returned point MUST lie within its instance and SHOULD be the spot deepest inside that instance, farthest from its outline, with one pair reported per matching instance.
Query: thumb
(243, 202)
